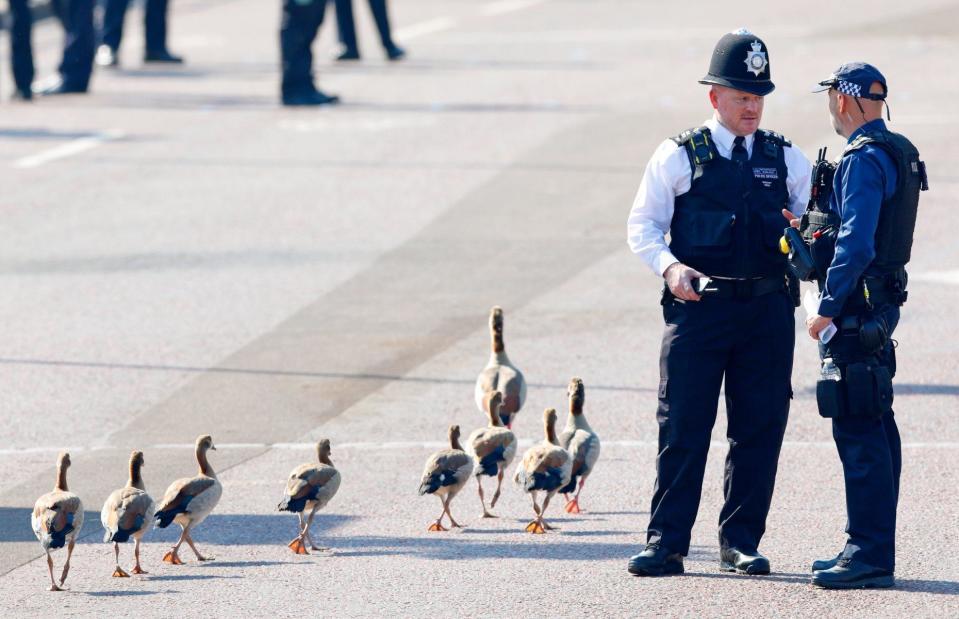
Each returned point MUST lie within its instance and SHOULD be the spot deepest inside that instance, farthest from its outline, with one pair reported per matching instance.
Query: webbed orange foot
(535, 527)
(298, 547)
(172, 558)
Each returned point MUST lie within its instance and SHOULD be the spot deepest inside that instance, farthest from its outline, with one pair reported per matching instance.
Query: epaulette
(860, 141)
(777, 138)
(699, 145)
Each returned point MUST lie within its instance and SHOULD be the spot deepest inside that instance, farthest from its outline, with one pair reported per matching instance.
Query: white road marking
(69, 149)
(416, 445)
(423, 28)
(937, 277)
(507, 6)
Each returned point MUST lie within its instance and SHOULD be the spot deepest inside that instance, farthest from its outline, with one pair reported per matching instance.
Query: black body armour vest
(730, 221)
(897, 215)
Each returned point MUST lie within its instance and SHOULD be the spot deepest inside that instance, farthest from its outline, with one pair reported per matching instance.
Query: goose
(580, 441)
(189, 501)
(446, 472)
(57, 519)
(493, 449)
(309, 488)
(128, 513)
(500, 375)
(546, 467)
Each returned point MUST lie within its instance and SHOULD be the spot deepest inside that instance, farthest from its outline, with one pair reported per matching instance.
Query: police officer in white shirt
(719, 191)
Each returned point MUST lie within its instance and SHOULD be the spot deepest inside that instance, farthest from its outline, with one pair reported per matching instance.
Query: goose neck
(61, 478)
(136, 478)
(205, 468)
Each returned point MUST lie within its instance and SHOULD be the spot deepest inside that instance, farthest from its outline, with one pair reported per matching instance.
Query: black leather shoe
(395, 52)
(735, 560)
(347, 55)
(656, 561)
(826, 564)
(310, 98)
(852, 574)
(56, 86)
(162, 56)
(107, 56)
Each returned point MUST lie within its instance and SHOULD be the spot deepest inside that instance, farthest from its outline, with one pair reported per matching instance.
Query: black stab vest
(730, 221)
(897, 215)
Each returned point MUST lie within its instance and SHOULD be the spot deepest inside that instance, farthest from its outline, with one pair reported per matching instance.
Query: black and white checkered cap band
(848, 88)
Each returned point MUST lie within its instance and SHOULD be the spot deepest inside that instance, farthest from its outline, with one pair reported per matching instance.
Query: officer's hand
(791, 217)
(816, 323)
(679, 278)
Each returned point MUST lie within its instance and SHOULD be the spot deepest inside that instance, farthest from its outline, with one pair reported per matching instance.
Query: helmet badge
(756, 59)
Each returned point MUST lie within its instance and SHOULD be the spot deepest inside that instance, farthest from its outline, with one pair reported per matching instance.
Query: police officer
(155, 27)
(866, 238)
(21, 48)
(347, 30)
(78, 49)
(719, 190)
(301, 21)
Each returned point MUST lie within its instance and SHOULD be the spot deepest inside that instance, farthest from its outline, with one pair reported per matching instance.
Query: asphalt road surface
(180, 255)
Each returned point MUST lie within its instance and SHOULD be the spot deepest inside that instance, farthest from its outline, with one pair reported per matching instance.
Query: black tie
(739, 150)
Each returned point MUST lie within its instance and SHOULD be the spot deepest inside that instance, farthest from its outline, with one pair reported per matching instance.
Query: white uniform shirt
(668, 175)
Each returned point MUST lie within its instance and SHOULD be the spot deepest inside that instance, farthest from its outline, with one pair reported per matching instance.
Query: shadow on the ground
(943, 587)
(175, 577)
(456, 546)
(125, 593)
(218, 529)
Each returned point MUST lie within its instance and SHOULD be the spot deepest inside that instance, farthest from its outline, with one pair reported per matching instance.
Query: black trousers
(347, 26)
(749, 345)
(21, 49)
(871, 453)
(155, 24)
(78, 49)
(301, 21)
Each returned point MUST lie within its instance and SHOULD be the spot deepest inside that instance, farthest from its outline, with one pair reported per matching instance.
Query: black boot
(656, 561)
(735, 560)
(852, 574)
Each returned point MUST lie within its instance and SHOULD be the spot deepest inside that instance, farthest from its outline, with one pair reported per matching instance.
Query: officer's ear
(714, 97)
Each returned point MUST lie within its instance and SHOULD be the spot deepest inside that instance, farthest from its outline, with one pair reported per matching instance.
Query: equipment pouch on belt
(868, 389)
(830, 398)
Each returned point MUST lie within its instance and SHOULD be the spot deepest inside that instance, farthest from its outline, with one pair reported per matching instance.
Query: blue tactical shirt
(864, 178)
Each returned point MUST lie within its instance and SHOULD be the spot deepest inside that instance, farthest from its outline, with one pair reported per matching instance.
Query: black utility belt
(740, 288)
(862, 389)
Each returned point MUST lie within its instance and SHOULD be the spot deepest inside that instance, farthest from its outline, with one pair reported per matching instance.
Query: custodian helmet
(741, 61)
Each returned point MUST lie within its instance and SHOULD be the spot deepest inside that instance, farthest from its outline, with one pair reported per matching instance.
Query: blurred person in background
(73, 75)
(301, 21)
(21, 48)
(155, 28)
(347, 29)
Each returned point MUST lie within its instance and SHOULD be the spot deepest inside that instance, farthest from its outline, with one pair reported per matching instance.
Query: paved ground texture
(180, 255)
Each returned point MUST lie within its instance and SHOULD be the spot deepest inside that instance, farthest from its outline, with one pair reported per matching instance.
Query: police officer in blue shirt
(301, 21)
(861, 244)
(719, 190)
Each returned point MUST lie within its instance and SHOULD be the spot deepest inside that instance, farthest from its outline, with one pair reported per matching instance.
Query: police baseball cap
(741, 61)
(855, 79)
